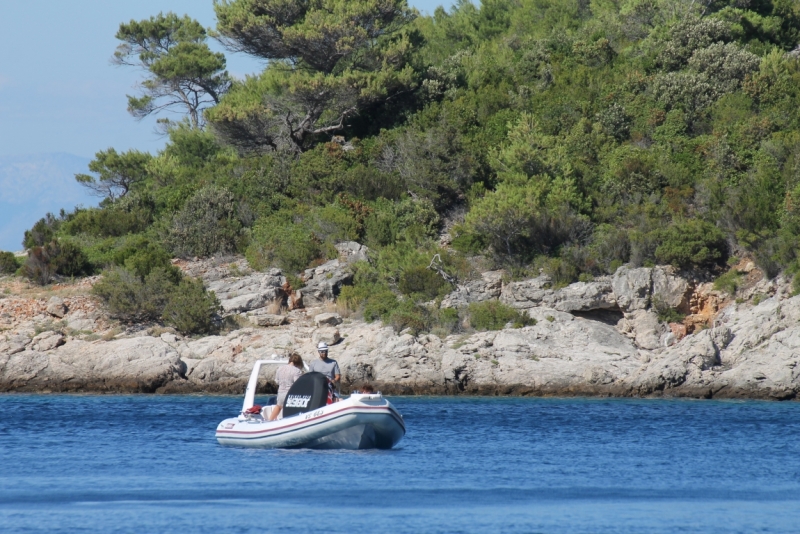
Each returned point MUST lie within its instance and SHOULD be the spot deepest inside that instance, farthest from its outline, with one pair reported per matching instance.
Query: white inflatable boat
(366, 421)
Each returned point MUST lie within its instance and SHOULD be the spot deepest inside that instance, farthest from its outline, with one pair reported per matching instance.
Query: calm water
(151, 464)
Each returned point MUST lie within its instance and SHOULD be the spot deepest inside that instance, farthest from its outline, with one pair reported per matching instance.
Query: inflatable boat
(311, 421)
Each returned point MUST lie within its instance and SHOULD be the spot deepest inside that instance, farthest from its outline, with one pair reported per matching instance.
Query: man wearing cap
(325, 365)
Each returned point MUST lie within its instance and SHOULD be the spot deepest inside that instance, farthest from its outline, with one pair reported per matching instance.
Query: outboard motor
(309, 392)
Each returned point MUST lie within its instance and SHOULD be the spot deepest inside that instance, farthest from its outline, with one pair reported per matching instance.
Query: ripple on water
(147, 463)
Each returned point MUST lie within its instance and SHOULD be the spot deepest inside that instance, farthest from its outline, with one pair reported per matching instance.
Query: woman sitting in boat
(285, 376)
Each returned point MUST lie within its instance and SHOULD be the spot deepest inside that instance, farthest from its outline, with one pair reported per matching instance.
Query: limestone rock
(268, 319)
(14, 344)
(82, 321)
(204, 346)
(323, 283)
(632, 288)
(583, 296)
(668, 289)
(579, 346)
(168, 337)
(527, 293)
(140, 364)
(647, 330)
(351, 252)
(762, 354)
(328, 319)
(214, 268)
(668, 339)
(329, 335)
(47, 341)
(681, 362)
(488, 287)
(580, 296)
(249, 292)
(56, 307)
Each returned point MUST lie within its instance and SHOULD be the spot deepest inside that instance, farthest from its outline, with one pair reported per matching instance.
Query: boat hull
(349, 424)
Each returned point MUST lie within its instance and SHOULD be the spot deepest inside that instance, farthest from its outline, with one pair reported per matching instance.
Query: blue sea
(151, 464)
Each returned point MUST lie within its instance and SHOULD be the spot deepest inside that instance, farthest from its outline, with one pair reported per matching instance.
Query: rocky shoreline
(597, 338)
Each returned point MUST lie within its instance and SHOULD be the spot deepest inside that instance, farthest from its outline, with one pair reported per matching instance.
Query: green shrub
(190, 308)
(8, 263)
(517, 220)
(505, 218)
(393, 261)
(687, 36)
(467, 242)
(379, 305)
(143, 261)
(276, 241)
(561, 270)
(333, 224)
(670, 315)
(207, 224)
(726, 65)
(132, 298)
(131, 214)
(368, 294)
(353, 297)
(666, 313)
(610, 247)
(445, 321)
(424, 282)
(371, 184)
(39, 266)
(431, 161)
(191, 146)
(409, 315)
(407, 219)
(494, 315)
(70, 259)
(728, 282)
(42, 232)
(691, 243)
(56, 257)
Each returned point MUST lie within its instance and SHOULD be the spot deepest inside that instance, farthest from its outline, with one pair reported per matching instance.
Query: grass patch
(666, 313)
(728, 282)
(494, 315)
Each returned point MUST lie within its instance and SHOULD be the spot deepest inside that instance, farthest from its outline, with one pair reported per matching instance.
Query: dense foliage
(557, 135)
(8, 263)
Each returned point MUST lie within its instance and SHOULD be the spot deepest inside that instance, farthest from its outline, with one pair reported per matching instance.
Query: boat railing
(252, 383)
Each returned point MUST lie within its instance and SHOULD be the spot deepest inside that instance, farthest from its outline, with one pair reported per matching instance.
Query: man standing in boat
(325, 365)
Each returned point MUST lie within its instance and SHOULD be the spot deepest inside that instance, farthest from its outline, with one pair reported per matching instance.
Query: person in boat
(285, 376)
(325, 365)
(368, 389)
(329, 368)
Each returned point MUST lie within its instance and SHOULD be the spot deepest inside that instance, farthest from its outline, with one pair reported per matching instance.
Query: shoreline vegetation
(527, 197)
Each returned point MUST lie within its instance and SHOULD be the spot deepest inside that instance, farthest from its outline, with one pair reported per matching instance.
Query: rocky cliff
(602, 337)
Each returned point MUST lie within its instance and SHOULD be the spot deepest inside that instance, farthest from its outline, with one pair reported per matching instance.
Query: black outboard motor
(308, 393)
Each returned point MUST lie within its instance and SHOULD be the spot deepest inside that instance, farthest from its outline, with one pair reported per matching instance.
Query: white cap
(322, 347)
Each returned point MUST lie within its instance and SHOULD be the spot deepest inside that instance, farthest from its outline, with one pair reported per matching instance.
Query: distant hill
(33, 184)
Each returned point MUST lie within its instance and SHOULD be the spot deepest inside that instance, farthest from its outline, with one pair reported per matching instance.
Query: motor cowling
(309, 392)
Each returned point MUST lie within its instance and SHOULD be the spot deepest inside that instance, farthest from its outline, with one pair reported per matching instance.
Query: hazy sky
(58, 91)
